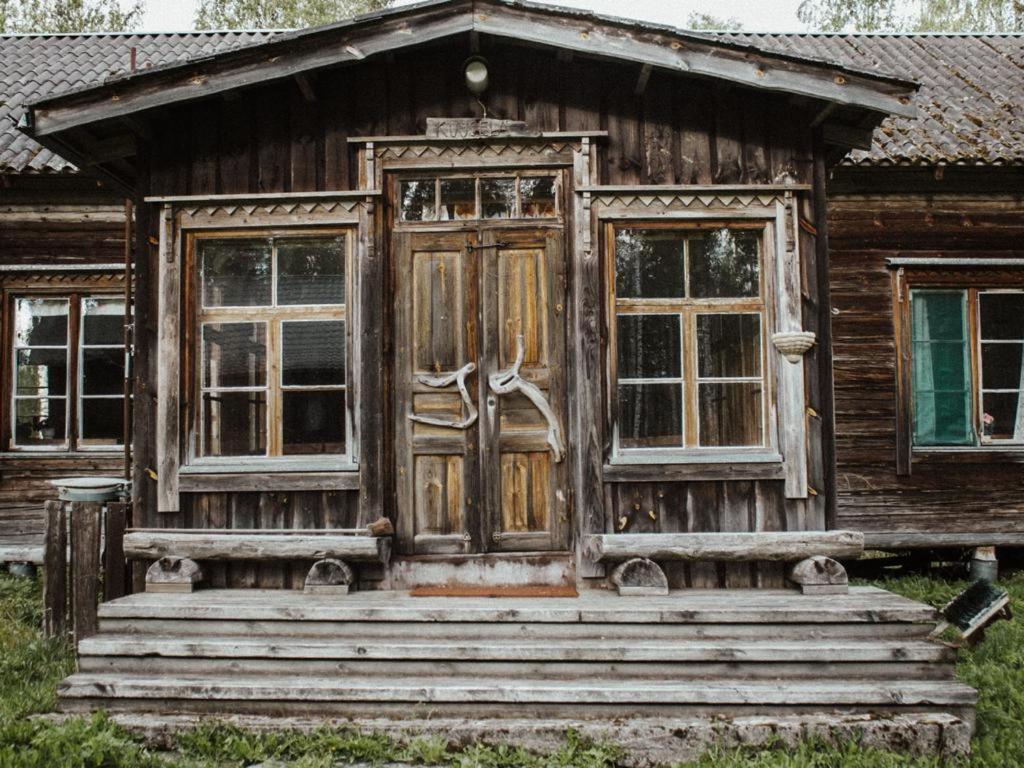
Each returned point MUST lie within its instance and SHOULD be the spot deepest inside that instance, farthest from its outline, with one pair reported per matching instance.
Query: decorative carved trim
(274, 213)
(543, 152)
(794, 344)
(681, 201)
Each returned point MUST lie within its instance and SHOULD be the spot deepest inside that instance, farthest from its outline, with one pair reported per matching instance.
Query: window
(68, 372)
(489, 197)
(967, 366)
(273, 351)
(688, 338)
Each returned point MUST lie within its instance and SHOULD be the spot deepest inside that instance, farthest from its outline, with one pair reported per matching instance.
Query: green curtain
(941, 368)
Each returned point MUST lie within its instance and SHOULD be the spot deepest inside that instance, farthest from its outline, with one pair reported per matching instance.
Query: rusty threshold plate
(512, 590)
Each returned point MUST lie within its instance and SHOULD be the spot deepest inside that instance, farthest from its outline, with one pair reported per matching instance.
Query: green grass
(30, 667)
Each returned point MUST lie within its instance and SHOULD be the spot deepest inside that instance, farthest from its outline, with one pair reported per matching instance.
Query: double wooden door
(480, 391)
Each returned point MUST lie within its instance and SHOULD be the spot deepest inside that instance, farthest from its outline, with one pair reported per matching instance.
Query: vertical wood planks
(55, 570)
(86, 524)
(168, 378)
(114, 564)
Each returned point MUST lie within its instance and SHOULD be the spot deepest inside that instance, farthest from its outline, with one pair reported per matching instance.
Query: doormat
(458, 590)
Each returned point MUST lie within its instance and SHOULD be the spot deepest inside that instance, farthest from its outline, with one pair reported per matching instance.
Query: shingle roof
(33, 66)
(971, 103)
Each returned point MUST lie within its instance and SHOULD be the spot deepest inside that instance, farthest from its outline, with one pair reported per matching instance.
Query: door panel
(479, 346)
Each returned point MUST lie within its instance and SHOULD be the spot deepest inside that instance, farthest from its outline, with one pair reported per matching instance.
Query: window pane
(313, 353)
(234, 423)
(314, 422)
(234, 355)
(311, 271)
(1002, 315)
(102, 420)
(725, 264)
(537, 196)
(730, 414)
(729, 345)
(648, 264)
(41, 421)
(1002, 415)
(497, 198)
(42, 372)
(941, 381)
(1001, 366)
(235, 273)
(103, 371)
(103, 321)
(417, 200)
(649, 347)
(458, 199)
(650, 415)
(41, 322)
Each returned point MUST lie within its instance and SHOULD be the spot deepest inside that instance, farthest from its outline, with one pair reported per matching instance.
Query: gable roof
(971, 101)
(38, 66)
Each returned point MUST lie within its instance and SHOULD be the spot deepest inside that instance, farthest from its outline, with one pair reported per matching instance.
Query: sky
(764, 16)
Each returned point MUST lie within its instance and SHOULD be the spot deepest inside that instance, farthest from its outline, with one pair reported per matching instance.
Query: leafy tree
(913, 15)
(69, 16)
(697, 20)
(279, 14)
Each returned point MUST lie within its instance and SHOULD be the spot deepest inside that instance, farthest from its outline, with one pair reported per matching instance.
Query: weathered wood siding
(51, 226)
(958, 493)
(673, 130)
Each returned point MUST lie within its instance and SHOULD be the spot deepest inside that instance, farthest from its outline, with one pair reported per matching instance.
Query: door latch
(500, 244)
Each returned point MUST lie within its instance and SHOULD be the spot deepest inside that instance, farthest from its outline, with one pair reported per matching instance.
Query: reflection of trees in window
(689, 338)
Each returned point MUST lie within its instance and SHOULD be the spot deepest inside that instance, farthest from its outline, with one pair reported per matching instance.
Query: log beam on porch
(785, 546)
(203, 545)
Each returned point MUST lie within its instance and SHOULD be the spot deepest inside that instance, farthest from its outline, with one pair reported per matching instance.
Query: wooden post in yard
(114, 575)
(55, 548)
(85, 566)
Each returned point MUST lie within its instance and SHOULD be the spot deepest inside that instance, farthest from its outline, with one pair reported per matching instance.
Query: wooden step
(462, 648)
(172, 693)
(863, 605)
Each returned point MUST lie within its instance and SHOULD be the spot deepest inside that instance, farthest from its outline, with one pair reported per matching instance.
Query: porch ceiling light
(477, 75)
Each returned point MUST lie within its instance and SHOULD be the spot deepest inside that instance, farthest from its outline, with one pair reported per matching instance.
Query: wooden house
(550, 293)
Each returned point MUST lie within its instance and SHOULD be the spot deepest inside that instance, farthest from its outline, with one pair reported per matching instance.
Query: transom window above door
(272, 345)
(525, 196)
(968, 367)
(687, 351)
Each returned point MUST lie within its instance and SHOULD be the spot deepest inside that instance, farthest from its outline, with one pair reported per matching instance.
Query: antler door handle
(459, 379)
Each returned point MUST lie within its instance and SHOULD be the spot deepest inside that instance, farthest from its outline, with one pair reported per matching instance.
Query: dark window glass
(649, 264)
(1002, 315)
(313, 353)
(41, 322)
(537, 196)
(458, 199)
(725, 264)
(650, 415)
(649, 347)
(40, 421)
(417, 200)
(234, 355)
(103, 420)
(729, 346)
(235, 272)
(103, 371)
(1001, 366)
(314, 421)
(103, 322)
(497, 198)
(42, 372)
(730, 414)
(235, 423)
(311, 271)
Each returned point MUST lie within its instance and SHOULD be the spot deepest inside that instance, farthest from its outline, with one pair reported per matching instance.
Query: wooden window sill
(289, 474)
(970, 454)
(758, 466)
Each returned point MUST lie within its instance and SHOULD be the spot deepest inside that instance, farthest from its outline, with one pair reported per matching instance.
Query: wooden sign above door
(474, 128)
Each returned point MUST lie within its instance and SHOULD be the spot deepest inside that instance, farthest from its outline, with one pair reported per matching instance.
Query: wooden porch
(389, 655)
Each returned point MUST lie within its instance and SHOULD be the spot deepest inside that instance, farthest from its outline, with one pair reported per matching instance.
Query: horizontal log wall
(57, 229)
(983, 492)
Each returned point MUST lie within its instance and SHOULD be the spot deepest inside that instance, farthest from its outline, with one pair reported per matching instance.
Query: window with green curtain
(941, 368)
